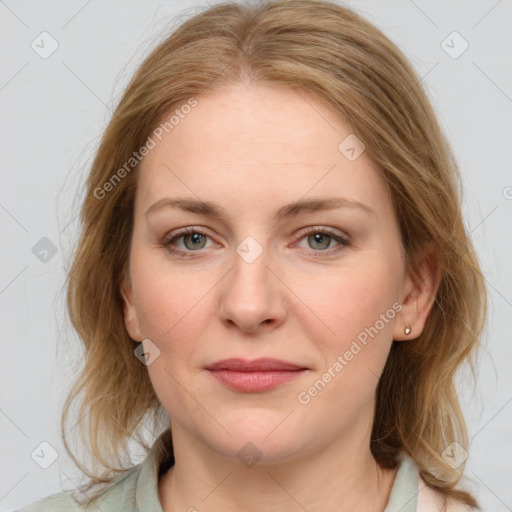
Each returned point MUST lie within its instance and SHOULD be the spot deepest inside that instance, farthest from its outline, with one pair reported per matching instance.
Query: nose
(253, 297)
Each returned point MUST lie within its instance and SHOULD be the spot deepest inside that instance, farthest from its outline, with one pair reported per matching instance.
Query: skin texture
(253, 149)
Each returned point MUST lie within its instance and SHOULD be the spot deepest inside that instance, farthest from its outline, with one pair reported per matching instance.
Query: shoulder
(430, 500)
(55, 503)
(119, 496)
(133, 490)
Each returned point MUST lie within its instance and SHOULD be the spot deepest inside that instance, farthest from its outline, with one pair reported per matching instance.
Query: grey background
(53, 112)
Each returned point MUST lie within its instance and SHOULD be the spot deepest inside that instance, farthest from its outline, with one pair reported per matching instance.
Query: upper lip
(256, 365)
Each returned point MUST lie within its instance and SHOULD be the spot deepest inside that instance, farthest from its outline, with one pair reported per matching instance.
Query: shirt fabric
(137, 489)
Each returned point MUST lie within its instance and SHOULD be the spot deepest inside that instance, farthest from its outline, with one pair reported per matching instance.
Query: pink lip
(254, 376)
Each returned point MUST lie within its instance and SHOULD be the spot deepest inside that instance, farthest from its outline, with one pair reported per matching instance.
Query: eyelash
(167, 244)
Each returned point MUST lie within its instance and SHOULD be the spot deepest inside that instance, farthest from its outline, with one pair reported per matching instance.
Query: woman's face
(319, 288)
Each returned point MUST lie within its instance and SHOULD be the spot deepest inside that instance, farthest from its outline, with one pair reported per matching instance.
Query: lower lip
(255, 382)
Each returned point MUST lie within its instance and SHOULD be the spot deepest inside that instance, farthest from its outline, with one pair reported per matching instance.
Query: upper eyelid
(328, 230)
(202, 230)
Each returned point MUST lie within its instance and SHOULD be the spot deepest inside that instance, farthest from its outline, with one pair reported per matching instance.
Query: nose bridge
(251, 295)
(250, 269)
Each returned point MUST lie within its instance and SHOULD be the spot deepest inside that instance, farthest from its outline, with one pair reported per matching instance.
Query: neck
(342, 477)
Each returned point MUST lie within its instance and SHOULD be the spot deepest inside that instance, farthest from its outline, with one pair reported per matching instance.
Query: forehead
(261, 144)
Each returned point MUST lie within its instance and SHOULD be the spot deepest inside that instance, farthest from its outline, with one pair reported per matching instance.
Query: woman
(273, 260)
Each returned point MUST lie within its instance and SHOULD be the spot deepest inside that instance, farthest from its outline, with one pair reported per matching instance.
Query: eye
(193, 240)
(320, 240)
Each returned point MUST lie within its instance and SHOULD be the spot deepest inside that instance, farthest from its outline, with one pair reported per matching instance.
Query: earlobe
(129, 312)
(419, 291)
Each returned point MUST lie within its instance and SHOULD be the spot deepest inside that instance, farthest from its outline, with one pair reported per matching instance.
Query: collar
(404, 493)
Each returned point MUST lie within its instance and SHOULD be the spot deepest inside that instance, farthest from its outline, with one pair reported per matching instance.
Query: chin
(260, 436)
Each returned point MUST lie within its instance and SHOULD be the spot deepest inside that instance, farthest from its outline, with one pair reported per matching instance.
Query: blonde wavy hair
(348, 64)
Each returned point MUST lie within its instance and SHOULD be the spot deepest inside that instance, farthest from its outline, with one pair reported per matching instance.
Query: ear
(130, 314)
(418, 291)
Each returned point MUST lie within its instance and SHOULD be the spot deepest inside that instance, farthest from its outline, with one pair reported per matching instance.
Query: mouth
(255, 376)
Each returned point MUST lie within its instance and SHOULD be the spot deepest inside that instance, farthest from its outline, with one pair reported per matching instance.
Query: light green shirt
(137, 489)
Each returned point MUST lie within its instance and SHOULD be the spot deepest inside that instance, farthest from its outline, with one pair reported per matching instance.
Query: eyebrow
(290, 210)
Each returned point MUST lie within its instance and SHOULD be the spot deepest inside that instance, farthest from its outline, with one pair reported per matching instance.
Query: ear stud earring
(407, 329)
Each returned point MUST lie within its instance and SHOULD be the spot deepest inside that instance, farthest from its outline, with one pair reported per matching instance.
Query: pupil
(319, 239)
(195, 238)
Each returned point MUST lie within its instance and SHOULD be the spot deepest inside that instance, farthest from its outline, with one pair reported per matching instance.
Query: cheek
(168, 300)
(359, 311)
(174, 312)
(342, 303)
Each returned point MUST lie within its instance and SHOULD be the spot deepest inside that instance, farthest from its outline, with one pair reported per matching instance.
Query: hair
(332, 53)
